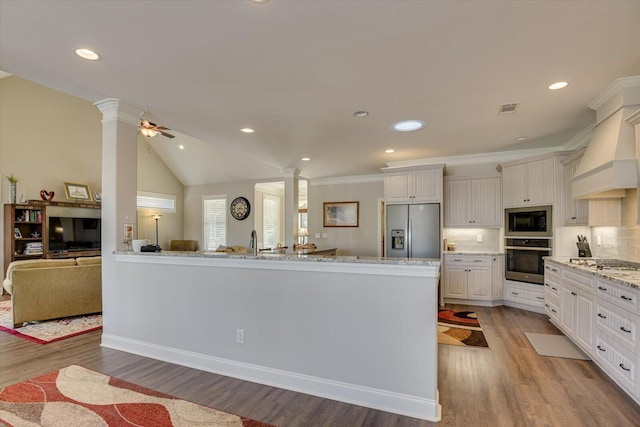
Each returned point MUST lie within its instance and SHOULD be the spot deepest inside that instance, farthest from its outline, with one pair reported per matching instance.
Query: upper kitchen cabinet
(576, 210)
(533, 181)
(472, 202)
(414, 184)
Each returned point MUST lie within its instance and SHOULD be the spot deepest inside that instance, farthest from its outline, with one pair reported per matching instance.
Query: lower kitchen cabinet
(527, 294)
(469, 277)
(601, 316)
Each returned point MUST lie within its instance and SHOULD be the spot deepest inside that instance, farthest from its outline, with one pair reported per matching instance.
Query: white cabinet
(413, 185)
(529, 184)
(602, 316)
(468, 277)
(498, 276)
(524, 293)
(576, 210)
(472, 202)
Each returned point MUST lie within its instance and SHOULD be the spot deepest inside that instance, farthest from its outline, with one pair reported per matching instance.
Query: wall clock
(240, 208)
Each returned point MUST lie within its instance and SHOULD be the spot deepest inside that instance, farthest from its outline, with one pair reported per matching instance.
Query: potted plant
(13, 181)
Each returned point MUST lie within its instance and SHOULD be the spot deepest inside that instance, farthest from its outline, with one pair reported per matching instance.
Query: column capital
(291, 172)
(116, 109)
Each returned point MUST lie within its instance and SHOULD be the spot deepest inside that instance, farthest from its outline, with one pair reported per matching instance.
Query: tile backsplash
(466, 239)
(616, 242)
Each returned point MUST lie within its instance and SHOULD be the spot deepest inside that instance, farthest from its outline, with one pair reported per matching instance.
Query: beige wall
(48, 138)
(362, 240)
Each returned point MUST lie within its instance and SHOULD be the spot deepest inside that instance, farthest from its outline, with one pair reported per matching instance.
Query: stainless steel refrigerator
(413, 231)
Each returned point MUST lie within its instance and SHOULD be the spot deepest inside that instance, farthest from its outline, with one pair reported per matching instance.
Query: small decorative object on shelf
(23, 199)
(97, 196)
(47, 196)
(13, 184)
(128, 234)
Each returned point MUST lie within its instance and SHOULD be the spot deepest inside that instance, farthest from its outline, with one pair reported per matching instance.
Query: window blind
(156, 202)
(215, 221)
(271, 221)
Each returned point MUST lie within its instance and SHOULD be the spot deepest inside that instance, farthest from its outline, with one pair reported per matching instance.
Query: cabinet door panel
(455, 282)
(513, 185)
(479, 283)
(584, 320)
(568, 309)
(457, 198)
(486, 206)
(397, 187)
(540, 182)
(427, 186)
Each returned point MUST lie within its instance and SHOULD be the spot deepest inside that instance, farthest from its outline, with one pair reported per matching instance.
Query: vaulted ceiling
(296, 71)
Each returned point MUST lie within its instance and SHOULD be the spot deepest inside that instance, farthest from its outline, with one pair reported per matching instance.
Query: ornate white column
(291, 177)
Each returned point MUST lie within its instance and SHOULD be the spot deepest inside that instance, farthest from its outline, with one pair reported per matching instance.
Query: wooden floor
(505, 385)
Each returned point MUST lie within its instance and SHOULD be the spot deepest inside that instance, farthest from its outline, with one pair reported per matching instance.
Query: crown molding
(614, 88)
(633, 119)
(4, 74)
(581, 139)
(115, 109)
(356, 179)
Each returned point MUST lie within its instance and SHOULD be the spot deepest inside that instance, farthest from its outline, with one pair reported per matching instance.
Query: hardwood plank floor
(507, 384)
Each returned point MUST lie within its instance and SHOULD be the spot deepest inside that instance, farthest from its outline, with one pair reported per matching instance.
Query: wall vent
(508, 108)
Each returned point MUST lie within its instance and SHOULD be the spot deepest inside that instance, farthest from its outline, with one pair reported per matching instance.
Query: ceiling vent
(508, 108)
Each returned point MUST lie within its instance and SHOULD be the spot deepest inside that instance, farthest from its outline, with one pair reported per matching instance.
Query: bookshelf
(24, 228)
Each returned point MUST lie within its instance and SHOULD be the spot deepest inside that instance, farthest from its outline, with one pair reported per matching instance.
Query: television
(68, 234)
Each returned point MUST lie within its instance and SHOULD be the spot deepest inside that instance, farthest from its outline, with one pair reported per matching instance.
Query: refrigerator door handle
(409, 238)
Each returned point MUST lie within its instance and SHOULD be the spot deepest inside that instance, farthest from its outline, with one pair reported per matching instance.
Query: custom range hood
(610, 162)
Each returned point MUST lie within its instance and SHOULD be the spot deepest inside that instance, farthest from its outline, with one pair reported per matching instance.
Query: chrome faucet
(253, 243)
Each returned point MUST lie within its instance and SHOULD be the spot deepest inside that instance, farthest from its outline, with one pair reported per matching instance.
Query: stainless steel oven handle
(526, 248)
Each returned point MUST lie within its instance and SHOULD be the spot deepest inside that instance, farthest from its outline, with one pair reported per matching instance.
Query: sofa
(46, 289)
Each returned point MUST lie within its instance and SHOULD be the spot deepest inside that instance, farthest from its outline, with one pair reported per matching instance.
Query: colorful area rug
(76, 396)
(51, 330)
(460, 328)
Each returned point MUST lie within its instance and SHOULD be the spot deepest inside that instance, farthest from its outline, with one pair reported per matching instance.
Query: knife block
(584, 251)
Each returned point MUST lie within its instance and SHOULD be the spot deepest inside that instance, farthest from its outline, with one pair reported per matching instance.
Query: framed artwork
(16, 233)
(341, 214)
(77, 192)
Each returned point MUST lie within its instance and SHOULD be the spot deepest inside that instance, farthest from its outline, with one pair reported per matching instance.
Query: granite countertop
(483, 252)
(629, 278)
(292, 257)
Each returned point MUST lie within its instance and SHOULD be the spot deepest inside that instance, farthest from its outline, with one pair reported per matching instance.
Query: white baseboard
(397, 403)
(480, 303)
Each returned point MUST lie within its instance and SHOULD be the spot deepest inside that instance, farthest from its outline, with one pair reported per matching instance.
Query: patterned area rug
(460, 328)
(76, 396)
(51, 330)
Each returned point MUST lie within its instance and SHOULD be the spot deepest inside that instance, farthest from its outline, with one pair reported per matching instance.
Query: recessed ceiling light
(390, 150)
(521, 138)
(181, 147)
(247, 130)
(87, 54)
(558, 85)
(306, 159)
(361, 113)
(408, 125)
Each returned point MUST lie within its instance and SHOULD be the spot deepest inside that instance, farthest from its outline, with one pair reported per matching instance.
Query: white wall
(329, 329)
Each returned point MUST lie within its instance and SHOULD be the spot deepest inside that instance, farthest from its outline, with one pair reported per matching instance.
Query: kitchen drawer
(551, 308)
(552, 271)
(467, 259)
(620, 324)
(551, 288)
(582, 281)
(526, 294)
(618, 362)
(620, 295)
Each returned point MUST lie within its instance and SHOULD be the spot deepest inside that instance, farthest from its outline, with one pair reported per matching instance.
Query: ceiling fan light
(149, 133)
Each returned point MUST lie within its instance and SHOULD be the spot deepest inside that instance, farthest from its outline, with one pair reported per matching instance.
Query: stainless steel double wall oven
(528, 238)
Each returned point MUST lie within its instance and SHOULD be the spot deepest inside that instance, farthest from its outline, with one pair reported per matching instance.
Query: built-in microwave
(534, 221)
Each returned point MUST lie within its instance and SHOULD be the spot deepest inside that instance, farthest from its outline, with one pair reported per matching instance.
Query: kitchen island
(360, 330)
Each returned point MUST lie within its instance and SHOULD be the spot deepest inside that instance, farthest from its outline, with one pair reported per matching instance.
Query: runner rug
(76, 396)
(51, 330)
(460, 328)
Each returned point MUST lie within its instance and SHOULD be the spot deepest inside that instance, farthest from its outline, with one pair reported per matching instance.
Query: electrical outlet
(317, 235)
(599, 240)
(479, 238)
(239, 336)
(324, 235)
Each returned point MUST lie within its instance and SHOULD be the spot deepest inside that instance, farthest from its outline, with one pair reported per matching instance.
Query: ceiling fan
(150, 130)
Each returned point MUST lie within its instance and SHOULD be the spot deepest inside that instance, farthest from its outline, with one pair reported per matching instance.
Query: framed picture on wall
(77, 192)
(341, 214)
